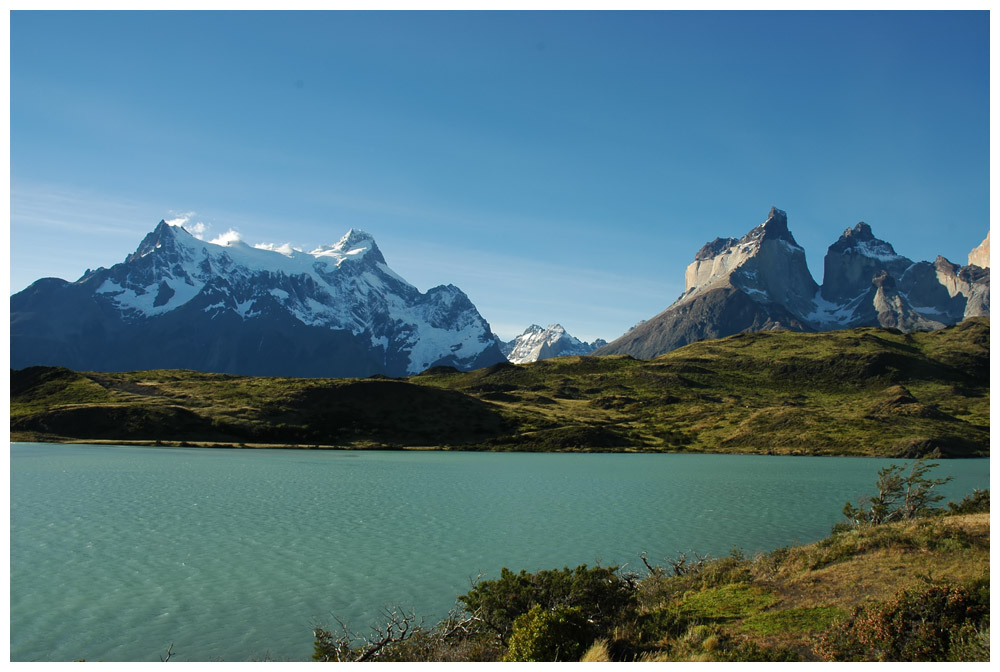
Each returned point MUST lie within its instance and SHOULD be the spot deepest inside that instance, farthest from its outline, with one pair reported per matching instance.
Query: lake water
(233, 554)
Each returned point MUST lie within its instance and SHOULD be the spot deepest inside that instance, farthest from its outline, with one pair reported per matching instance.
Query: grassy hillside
(865, 391)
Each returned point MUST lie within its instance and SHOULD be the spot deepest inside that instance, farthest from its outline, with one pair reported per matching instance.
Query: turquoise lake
(234, 554)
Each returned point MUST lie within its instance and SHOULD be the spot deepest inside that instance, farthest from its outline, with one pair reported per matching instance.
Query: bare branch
(398, 629)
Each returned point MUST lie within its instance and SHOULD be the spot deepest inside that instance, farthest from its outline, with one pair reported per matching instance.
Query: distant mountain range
(181, 303)
(760, 282)
(553, 341)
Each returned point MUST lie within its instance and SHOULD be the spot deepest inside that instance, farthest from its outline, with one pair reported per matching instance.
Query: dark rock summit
(852, 262)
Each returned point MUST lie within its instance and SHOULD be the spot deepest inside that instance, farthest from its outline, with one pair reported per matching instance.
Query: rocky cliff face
(179, 302)
(755, 283)
(766, 263)
(854, 260)
(761, 282)
(981, 255)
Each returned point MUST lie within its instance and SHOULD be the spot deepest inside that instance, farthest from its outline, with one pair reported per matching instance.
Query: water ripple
(118, 551)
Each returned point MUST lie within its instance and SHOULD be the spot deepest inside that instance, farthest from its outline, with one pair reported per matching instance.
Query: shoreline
(221, 445)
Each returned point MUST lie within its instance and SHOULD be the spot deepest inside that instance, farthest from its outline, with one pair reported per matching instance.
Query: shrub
(601, 594)
(899, 497)
(734, 568)
(970, 643)
(549, 635)
(977, 502)
(921, 624)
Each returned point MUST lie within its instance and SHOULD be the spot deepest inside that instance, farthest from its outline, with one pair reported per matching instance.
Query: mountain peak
(338, 312)
(355, 238)
(859, 239)
(355, 244)
(854, 259)
(861, 231)
(552, 341)
(160, 236)
(776, 224)
(981, 255)
(775, 227)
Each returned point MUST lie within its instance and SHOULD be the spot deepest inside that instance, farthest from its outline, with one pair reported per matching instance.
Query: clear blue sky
(558, 167)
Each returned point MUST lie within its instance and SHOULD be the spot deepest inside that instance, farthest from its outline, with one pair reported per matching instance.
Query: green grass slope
(913, 590)
(864, 391)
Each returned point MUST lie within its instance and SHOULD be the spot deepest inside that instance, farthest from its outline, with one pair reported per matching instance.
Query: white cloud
(285, 248)
(198, 230)
(181, 219)
(229, 237)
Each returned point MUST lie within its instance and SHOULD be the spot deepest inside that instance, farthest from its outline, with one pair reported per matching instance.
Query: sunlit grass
(855, 392)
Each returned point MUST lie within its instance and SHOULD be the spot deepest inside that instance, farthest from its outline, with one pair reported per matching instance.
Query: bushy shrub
(734, 568)
(899, 497)
(977, 502)
(543, 634)
(919, 624)
(971, 643)
(601, 594)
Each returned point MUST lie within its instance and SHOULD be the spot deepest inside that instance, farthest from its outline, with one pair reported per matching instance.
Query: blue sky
(557, 166)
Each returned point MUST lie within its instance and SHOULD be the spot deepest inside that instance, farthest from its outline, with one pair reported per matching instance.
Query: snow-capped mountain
(553, 341)
(180, 302)
(866, 283)
(761, 282)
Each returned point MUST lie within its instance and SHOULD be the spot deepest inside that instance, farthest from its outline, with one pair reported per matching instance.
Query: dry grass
(784, 600)
(597, 653)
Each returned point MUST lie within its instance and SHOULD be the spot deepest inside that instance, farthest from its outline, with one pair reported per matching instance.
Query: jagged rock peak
(162, 234)
(768, 259)
(981, 255)
(776, 222)
(861, 231)
(775, 227)
(861, 240)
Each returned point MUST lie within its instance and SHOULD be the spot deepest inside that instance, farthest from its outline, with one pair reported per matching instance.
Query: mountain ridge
(536, 343)
(761, 282)
(180, 302)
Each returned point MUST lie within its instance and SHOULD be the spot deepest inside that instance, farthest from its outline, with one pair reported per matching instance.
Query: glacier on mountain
(354, 315)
